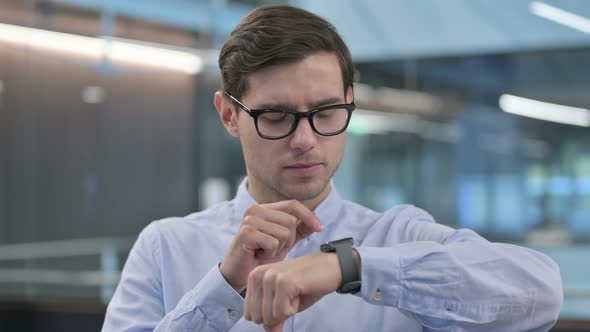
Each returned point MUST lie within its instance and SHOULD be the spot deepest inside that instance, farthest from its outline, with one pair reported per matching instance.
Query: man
(255, 262)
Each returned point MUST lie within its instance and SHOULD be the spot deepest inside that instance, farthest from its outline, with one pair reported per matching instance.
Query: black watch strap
(351, 282)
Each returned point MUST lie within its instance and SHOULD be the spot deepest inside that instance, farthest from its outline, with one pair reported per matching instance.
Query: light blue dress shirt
(417, 275)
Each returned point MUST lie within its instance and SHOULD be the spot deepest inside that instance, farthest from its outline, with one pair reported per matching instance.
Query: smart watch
(351, 282)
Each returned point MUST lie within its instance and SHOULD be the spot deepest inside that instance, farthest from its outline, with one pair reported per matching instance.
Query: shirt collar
(327, 210)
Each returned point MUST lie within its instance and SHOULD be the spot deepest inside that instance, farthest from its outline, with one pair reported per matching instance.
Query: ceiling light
(396, 99)
(560, 16)
(114, 49)
(150, 54)
(376, 122)
(545, 111)
(93, 94)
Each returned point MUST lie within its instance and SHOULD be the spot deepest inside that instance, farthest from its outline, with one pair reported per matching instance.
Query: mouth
(305, 168)
(303, 165)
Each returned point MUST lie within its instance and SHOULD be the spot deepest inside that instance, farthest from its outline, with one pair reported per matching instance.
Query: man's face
(301, 165)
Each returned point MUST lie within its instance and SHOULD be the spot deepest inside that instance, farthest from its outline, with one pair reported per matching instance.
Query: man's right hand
(267, 233)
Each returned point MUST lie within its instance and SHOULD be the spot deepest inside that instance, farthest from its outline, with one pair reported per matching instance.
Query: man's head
(284, 58)
(273, 35)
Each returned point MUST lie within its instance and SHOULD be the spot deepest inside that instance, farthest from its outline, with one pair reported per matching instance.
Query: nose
(303, 138)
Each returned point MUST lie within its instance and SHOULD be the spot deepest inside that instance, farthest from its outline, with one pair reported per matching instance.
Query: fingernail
(320, 226)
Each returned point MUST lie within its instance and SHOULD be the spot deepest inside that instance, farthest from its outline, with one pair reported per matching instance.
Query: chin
(304, 190)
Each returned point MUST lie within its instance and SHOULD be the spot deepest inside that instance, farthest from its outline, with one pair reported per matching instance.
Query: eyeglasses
(276, 124)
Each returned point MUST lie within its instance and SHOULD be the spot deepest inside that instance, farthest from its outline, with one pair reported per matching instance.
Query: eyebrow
(279, 106)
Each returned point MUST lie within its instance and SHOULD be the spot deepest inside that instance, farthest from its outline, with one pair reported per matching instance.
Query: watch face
(327, 247)
(348, 241)
(331, 246)
(352, 287)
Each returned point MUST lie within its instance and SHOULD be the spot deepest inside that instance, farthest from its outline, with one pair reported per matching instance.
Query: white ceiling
(383, 29)
(395, 29)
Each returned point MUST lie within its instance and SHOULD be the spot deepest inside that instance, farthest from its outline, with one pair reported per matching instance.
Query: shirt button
(233, 314)
(377, 296)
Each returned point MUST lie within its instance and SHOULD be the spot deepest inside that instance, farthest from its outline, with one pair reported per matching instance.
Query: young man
(256, 261)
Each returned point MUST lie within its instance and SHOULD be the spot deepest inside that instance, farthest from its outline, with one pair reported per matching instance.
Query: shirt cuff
(214, 300)
(380, 276)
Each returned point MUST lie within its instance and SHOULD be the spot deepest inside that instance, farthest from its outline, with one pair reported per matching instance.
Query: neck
(314, 202)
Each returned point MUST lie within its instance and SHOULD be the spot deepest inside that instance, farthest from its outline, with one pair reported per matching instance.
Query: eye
(276, 117)
(329, 113)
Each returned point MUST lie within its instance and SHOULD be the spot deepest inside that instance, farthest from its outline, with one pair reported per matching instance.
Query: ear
(227, 113)
(350, 94)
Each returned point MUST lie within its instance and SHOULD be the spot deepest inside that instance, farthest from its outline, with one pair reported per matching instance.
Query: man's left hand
(280, 290)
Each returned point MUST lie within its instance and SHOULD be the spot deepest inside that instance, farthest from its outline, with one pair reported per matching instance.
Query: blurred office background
(475, 110)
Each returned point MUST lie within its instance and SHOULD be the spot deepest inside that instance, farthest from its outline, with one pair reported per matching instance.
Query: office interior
(476, 111)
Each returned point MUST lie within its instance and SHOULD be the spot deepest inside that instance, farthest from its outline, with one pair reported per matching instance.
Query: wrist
(348, 261)
(237, 286)
(331, 263)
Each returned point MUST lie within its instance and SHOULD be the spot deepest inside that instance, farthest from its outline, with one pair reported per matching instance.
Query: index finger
(309, 222)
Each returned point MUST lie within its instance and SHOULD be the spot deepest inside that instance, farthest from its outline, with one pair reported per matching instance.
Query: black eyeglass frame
(255, 113)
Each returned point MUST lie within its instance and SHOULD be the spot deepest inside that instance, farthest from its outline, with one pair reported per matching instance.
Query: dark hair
(278, 34)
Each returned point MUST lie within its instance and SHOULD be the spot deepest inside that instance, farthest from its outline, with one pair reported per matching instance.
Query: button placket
(378, 296)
